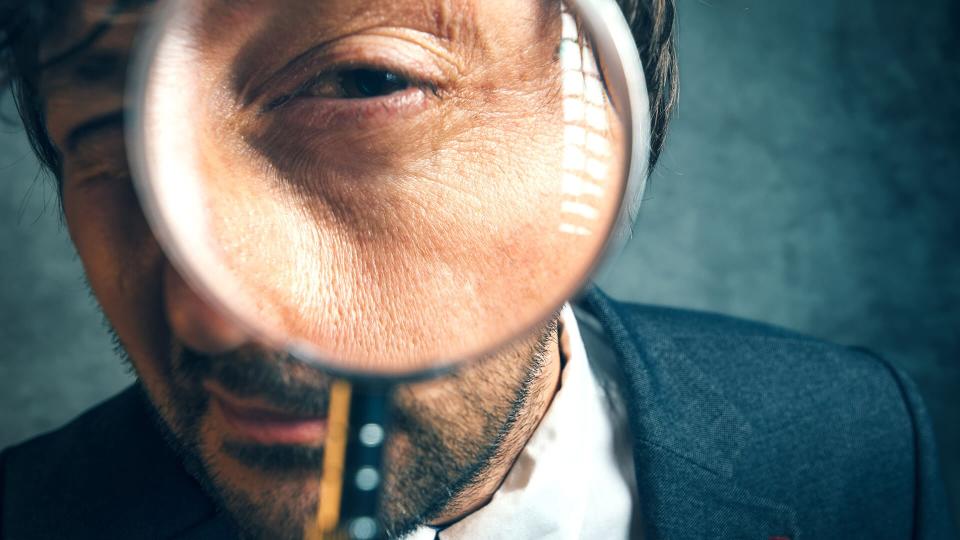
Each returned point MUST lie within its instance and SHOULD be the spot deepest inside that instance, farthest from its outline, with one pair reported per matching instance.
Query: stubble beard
(438, 449)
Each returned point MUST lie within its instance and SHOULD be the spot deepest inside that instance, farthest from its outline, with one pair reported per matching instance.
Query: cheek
(473, 400)
(123, 266)
(393, 268)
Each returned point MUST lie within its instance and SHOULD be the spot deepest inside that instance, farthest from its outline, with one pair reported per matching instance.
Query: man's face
(453, 437)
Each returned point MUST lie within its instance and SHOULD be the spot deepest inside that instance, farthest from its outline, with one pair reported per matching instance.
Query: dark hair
(25, 24)
(653, 25)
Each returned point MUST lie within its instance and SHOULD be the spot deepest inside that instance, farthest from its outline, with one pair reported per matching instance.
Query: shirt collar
(551, 483)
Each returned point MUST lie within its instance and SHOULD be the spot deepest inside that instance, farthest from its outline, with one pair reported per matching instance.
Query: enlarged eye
(357, 84)
(366, 83)
(354, 96)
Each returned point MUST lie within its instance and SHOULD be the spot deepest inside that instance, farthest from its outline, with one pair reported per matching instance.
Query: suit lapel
(687, 437)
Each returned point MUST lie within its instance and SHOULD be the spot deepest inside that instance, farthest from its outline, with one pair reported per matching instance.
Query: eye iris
(366, 83)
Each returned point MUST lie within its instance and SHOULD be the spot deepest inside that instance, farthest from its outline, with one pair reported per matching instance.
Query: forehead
(113, 23)
(90, 81)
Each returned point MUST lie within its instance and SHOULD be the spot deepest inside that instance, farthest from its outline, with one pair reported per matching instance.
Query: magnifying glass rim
(613, 43)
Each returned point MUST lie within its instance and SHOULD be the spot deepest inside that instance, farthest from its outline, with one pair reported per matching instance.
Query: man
(682, 425)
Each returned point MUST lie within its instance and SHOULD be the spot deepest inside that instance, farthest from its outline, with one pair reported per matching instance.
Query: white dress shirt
(574, 479)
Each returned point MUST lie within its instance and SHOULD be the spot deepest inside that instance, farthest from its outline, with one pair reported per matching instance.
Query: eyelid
(331, 72)
(393, 51)
(451, 64)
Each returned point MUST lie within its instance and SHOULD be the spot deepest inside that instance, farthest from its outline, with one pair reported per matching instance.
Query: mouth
(254, 420)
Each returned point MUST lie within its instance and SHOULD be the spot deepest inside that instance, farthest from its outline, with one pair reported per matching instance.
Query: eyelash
(333, 76)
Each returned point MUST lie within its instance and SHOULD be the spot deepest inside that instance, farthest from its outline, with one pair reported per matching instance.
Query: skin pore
(455, 436)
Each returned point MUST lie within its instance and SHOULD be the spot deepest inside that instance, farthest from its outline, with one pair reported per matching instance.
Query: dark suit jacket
(740, 430)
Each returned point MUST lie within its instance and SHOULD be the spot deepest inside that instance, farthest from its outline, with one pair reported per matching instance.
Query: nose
(196, 323)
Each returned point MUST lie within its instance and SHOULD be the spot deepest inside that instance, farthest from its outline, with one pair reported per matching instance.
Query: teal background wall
(811, 180)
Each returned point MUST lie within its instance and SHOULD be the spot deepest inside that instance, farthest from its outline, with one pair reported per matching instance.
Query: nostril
(195, 322)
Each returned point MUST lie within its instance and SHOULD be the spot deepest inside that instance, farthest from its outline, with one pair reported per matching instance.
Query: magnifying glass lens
(381, 190)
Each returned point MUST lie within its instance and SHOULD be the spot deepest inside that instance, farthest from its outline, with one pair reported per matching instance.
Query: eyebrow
(93, 127)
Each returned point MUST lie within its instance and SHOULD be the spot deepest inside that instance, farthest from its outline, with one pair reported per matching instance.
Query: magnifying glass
(382, 192)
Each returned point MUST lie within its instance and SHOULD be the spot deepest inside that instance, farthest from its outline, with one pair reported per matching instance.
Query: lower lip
(270, 428)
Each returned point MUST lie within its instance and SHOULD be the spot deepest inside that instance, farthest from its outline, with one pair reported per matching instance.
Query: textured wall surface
(811, 180)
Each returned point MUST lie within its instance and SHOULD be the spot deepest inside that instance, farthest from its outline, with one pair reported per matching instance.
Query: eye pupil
(367, 83)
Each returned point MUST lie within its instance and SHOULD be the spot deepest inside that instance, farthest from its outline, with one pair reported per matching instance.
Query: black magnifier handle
(353, 463)
(363, 475)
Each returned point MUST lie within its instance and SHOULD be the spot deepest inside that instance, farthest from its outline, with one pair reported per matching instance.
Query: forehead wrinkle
(452, 19)
(485, 29)
(446, 21)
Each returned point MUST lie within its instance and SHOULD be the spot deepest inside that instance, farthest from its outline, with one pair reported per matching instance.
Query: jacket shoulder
(106, 474)
(85, 436)
(805, 422)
